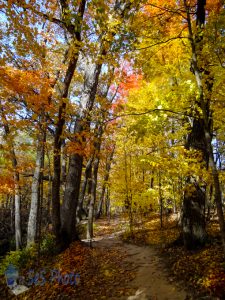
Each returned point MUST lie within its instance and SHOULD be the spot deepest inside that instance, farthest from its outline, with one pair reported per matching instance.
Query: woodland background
(111, 108)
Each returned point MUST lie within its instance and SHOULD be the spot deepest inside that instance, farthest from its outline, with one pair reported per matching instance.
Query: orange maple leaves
(33, 85)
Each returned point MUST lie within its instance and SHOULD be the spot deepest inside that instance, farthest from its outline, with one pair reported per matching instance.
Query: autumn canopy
(111, 108)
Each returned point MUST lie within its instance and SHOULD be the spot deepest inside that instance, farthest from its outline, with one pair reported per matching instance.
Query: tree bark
(17, 197)
(193, 214)
(106, 178)
(93, 199)
(76, 33)
(72, 189)
(64, 163)
(94, 180)
(18, 234)
(204, 105)
(160, 200)
(32, 228)
(86, 182)
(107, 203)
(217, 187)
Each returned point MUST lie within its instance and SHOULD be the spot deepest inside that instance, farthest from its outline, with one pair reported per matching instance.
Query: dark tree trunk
(64, 163)
(56, 182)
(86, 182)
(68, 215)
(92, 199)
(107, 203)
(193, 213)
(160, 200)
(76, 33)
(94, 179)
(72, 189)
(193, 217)
(204, 82)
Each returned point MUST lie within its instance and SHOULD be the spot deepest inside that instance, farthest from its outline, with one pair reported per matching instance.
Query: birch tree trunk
(18, 234)
(32, 228)
(17, 197)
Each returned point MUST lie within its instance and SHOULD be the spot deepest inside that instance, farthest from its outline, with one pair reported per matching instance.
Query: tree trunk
(56, 182)
(93, 199)
(68, 212)
(17, 197)
(18, 235)
(32, 228)
(87, 181)
(107, 203)
(76, 33)
(205, 84)
(193, 217)
(49, 196)
(218, 194)
(94, 180)
(12, 213)
(73, 181)
(160, 201)
(64, 164)
(106, 178)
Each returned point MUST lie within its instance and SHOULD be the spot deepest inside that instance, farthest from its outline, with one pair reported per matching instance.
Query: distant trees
(119, 100)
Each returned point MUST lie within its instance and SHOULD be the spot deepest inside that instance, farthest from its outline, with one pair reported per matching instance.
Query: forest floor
(140, 266)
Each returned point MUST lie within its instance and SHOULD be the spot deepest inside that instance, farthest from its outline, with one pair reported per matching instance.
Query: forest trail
(151, 282)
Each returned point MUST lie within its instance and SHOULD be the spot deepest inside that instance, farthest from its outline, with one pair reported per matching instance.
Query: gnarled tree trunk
(202, 128)
(193, 217)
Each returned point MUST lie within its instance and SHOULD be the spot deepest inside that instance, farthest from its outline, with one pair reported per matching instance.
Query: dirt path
(151, 282)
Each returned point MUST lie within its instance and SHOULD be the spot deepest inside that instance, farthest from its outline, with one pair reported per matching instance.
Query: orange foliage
(32, 84)
(6, 184)
(214, 6)
(81, 145)
(130, 82)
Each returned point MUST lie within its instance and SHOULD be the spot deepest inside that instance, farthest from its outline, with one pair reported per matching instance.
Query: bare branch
(149, 112)
(166, 9)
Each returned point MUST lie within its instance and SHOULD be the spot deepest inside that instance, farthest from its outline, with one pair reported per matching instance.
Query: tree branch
(162, 42)
(148, 112)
